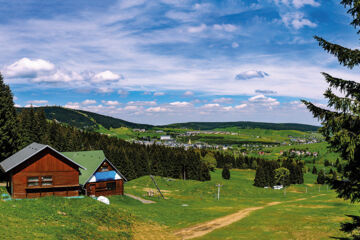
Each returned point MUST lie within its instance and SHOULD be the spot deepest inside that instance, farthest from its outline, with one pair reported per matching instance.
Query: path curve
(207, 227)
(144, 201)
(202, 229)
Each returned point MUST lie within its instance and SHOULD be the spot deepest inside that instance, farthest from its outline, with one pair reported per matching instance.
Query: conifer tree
(10, 139)
(260, 180)
(226, 172)
(321, 177)
(341, 123)
(314, 170)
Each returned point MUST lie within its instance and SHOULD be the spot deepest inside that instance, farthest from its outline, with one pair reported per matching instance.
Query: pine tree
(260, 180)
(226, 172)
(321, 177)
(341, 124)
(10, 139)
(314, 170)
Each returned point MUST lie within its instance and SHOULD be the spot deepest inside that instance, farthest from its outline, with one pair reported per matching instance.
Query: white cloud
(15, 98)
(110, 103)
(180, 104)
(17, 105)
(228, 108)
(41, 102)
(159, 94)
(234, 45)
(197, 29)
(58, 76)
(132, 108)
(189, 93)
(223, 100)
(157, 109)
(211, 105)
(241, 106)
(72, 105)
(142, 103)
(225, 27)
(27, 68)
(251, 74)
(105, 90)
(88, 102)
(123, 92)
(301, 3)
(263, 100)
(106, 76)
(296, 20)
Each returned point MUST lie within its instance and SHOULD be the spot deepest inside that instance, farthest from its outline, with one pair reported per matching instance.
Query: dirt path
(207, 227)
(144, 201)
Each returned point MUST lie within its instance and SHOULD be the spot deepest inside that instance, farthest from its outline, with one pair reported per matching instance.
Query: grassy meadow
(307, 211)
(313, 211)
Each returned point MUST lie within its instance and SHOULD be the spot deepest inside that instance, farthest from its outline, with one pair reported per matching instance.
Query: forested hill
(84, 119)
(89, 120)
(243, 125)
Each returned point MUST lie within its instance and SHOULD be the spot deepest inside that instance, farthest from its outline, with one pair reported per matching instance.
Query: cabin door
(92, 189)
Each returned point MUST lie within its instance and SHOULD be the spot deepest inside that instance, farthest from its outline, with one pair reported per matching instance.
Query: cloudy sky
(165, 61)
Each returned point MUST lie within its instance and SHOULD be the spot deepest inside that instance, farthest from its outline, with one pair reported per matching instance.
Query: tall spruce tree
(341, 125)
(10, 139)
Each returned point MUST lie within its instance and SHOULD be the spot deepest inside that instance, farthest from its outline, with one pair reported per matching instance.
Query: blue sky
(166, 61)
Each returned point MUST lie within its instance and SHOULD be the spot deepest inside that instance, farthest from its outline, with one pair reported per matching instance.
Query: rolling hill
(89, 120)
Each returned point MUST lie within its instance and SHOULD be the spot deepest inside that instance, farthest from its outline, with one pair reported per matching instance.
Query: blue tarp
(105, 176)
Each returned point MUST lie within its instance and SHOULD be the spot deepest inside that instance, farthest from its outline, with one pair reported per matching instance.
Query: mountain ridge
(90, 120)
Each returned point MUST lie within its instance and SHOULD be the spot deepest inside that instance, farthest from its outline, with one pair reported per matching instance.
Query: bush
(226, 172)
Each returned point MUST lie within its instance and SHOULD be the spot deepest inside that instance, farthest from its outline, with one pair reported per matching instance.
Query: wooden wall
(100, 188)
(65, 176)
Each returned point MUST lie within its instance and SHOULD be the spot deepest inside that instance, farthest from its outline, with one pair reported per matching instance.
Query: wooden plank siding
(65, 176)
(101, 188)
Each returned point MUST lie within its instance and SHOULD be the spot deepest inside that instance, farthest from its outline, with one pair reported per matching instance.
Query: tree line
(17, 130)
(281, 172)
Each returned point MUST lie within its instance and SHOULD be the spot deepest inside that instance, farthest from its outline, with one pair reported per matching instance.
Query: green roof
(91, 160)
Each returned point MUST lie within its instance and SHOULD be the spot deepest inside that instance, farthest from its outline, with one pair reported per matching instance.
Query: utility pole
(218, 194)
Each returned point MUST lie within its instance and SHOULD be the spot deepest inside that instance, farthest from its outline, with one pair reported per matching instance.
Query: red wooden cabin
(39, 170)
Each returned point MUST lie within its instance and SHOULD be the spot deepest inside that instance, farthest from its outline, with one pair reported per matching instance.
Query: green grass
(236, 194)
(61, 218)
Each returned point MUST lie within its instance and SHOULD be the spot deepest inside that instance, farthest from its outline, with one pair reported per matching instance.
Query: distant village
(171, 141)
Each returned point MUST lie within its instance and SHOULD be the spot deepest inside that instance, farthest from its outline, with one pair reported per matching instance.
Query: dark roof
(25, 153)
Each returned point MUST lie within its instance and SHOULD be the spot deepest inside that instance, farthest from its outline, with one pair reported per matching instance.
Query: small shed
(101, 177)
(39, 170)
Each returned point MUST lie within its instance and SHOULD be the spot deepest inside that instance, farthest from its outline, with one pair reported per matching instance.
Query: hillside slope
(89, 120)
(244, 125)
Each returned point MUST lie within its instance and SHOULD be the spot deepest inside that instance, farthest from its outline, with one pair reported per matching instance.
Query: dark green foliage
(295, 167)
(314, 170)
(341, 123)
(226, 172)
(260, 179)
(110, 122)
(265, 173)
(326, 163)
(273, 126)
(241, 162)
(334, 176)
(10, 140)
(321, 177)
(133, 160)
(266, 170)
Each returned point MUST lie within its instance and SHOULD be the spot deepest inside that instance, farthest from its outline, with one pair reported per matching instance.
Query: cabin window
(33, 181)
(46, 181)
(104, 169)
(111, 186)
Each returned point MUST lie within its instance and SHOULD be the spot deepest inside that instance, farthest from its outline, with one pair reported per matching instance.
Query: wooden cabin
(39, 170)
(100, 178)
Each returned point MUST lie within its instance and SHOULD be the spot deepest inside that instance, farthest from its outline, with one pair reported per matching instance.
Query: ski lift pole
(152, 178)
